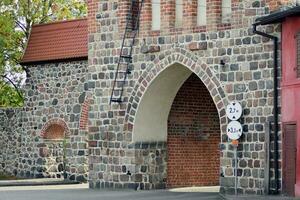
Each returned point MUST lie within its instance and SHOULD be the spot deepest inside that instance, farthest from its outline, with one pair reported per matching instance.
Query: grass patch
(7, 177)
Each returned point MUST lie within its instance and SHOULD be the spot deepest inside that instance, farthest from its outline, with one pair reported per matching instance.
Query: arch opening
(152, 114)
(193, 137)
(177, 128)
(52, 149)
(54, 132)
(55, 129)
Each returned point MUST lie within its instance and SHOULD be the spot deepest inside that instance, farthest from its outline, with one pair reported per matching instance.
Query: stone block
(195, 46)
(44, 152)
(124, 178)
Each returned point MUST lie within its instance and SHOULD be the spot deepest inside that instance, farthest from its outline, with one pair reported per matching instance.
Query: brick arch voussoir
(163, 61)
(55, 121)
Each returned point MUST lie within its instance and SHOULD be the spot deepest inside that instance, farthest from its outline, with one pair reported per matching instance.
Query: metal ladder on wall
(125, 58)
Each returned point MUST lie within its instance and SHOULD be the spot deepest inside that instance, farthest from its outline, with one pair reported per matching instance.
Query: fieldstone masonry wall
(54, 94)
(10, 140)
(246, 77)
(100, 138)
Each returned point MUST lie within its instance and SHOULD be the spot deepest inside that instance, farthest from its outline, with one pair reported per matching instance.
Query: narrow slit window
(178, 13)
(226, 11)
(298, 56)
(155, 15)
(201, 13)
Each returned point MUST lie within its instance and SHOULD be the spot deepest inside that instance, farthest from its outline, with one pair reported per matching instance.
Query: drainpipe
(275, 114)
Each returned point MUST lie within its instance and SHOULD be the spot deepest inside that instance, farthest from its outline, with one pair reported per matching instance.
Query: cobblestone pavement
(79, 192)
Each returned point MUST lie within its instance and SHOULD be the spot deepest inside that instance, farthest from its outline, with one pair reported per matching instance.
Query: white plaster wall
(155, 14)
(153, 111)
(226, 11)
(178, 13)
(201, 13)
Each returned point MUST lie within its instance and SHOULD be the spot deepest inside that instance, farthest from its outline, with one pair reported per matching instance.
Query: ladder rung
(131, 28)
(116, 89)
(124, 72)
(119, 92)
(132, 36)
(126, 56)
(124, 63)
(127, 46)
(117, 100)
(120, 83)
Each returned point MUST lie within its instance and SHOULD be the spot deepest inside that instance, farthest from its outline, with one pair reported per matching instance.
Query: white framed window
(226, 11)
(178, 13)
(201, 12)
(155, 15)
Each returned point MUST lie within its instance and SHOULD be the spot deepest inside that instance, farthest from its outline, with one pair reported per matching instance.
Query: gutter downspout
(275, 114)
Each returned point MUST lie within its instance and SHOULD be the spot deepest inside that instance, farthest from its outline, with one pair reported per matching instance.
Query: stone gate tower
(189, 59)
(142, 104)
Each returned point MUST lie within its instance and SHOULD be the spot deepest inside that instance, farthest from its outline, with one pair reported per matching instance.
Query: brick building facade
(170, 128)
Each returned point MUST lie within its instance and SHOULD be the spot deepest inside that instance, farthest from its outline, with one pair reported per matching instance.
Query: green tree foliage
(16, 20)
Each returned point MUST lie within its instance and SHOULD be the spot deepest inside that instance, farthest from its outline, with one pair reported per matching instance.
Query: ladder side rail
(118, 66)
(135, 28)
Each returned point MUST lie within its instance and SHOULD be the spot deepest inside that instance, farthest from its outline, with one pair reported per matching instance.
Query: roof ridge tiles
(60, 22)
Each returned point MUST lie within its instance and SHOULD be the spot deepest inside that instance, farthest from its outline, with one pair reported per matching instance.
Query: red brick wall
(84, 116)
(168, 15)
(189, 17)
(193, 158)
(92, 11)
(276, 4)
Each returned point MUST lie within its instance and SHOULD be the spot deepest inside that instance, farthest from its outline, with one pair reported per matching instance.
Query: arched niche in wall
(55, 129)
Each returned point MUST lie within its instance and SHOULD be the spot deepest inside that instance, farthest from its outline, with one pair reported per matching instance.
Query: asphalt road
(80, 192)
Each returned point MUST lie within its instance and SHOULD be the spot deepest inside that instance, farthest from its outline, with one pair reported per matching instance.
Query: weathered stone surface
(194, 46)
(59, 90)
(59, 86)
(44, 152)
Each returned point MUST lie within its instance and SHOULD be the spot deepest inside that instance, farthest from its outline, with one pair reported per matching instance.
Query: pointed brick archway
(164, 61)
(149, 107)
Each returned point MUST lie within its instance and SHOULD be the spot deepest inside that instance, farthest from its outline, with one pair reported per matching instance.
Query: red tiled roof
(57, 41)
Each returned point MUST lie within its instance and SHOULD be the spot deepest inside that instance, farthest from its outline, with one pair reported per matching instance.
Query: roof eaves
(278, 16)
(39, 61)
(77, 30)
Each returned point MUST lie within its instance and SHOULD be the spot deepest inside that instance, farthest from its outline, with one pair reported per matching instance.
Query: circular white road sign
(234, 110)
(234, 130)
